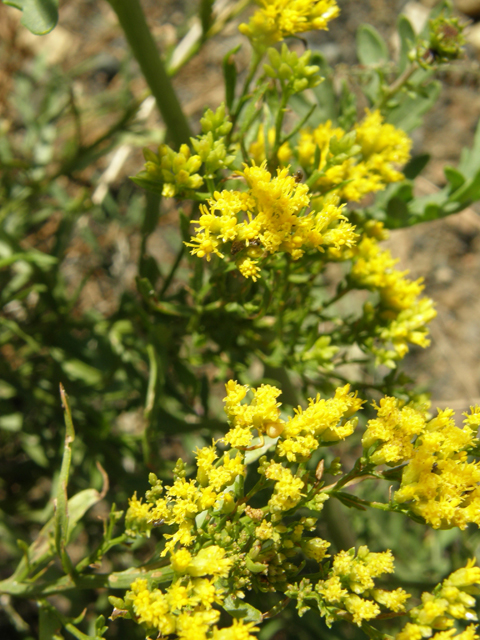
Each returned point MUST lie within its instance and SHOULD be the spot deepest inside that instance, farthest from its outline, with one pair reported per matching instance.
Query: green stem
(278, 129)
(254, 62)
(170, 276)
(337, 297)
(140, 39)
(395, 87)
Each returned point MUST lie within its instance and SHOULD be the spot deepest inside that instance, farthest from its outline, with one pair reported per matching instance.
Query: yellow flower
(350, 585)
(138, 517)
(375, 153)
(450, 601)
(277, 19)
(402, 315)
(438, 481)
(287, 491)
(180, 560)
(316, 548)
(238, 631)
(392, 431)
(210, 561)
(249, 268)
(151, 607)
(270, 217)
(257, 149)
(322, 420)
(361, 609)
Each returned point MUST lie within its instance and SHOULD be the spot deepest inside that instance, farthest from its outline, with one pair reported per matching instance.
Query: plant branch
(140, 39)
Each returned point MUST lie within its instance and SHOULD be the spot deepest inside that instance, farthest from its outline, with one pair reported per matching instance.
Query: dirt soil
(445, 253)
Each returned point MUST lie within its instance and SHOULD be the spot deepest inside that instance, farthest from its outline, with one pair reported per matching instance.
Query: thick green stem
(134, 25)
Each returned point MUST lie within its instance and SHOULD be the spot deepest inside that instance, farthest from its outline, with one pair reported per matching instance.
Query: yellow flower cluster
(374, 153)
(403, 316)
(262, 414)
(185, 608)
(323, 420)
(438, 482)
(452, 600)
(269, 217)
(219, 545)
(392, 432)
(277, 19)
(287, 491)
(351, 586)
(186, 498)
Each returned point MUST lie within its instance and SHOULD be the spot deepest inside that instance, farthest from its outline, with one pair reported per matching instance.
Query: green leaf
(324, 92)
(470, 158)
(78, 370)
(78, 505)
(468, 192)
(371, 47)
(230, 76)
(11, 422)
(397, 214)
(454, 177)
(61, 507)
(141, 180)
(239, 609)
(38, 16)
(408, 115)
(152, 213)
(48, 623)
(349, 500)
(206, 15)
(407, 40)
(415, 166)
(43, 260)
(123, 579)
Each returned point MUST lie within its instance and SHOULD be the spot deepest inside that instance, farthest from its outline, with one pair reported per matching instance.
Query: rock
(417, 14)
(468, 7)
(472, 35)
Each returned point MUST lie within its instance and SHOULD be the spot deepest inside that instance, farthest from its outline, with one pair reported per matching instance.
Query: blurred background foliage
(81, 247)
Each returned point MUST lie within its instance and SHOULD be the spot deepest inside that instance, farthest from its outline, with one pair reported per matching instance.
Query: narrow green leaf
(78, 505)
(349, 500)
(371, 47)
(152, 213)
(141, 180)
(61, 507)
(230, 76)
(123, 579)
(206, 15)
(39, 258)
(38, 16)
(470, 158)
(78, 370)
